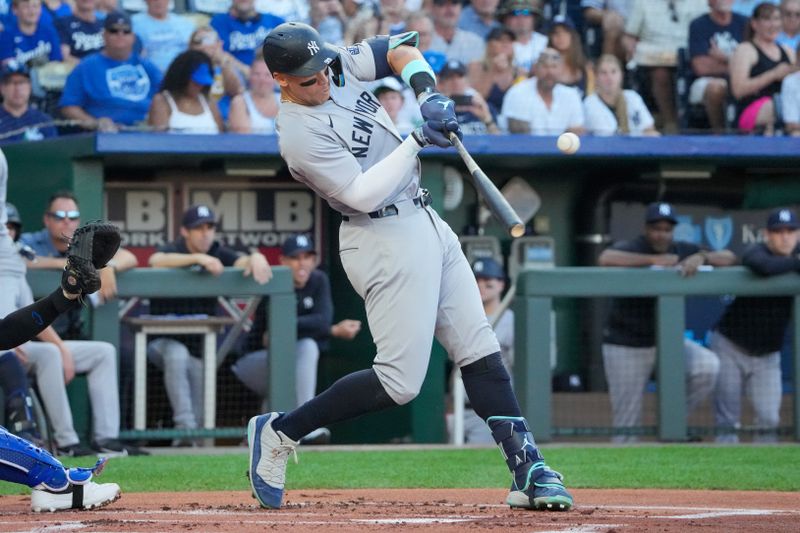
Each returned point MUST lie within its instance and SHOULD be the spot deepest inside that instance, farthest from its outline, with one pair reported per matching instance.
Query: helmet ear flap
(337, 72)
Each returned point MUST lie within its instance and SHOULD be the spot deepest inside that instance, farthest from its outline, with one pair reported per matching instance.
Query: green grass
(669, 466)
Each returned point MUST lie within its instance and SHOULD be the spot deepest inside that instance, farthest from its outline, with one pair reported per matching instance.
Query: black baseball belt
(423, 200)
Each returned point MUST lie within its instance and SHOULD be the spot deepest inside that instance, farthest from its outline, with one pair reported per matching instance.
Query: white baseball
(568, 142)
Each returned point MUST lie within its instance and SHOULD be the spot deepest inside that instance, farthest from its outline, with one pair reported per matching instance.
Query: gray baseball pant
(252, 370)
(416, 283)
(183, 379)
(759, 378)
(628, 369)
(96, 359)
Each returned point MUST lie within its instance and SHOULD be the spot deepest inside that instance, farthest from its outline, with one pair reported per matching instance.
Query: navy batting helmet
(297, 49)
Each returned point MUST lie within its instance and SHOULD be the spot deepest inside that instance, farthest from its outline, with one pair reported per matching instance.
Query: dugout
(142, 182)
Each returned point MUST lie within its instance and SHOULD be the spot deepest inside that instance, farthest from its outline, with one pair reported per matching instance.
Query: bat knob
(517, 230)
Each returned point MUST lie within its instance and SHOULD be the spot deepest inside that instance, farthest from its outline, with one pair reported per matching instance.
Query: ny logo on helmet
(312, 47)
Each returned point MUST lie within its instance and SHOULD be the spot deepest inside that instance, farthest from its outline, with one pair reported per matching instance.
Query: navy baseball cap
(782, 218)
(11, 67)
(658, 211)
(117, 20)
(297, 244)
(486, 267)
(454, 67)
(197, 215)
(561, 20)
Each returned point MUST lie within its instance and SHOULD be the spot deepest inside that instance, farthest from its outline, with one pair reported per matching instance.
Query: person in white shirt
(610, 110)
(519, 16)
(541, 105)
(790, 98)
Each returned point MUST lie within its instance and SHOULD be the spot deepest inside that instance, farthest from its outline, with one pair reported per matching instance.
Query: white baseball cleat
(89, 496)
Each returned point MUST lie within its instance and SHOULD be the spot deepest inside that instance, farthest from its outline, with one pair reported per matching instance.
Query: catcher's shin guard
(535, 485)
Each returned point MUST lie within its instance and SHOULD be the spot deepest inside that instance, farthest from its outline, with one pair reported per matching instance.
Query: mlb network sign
(714, 228)
(248, 215)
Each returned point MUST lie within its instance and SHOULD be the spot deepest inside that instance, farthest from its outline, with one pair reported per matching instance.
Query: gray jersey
(311, 137)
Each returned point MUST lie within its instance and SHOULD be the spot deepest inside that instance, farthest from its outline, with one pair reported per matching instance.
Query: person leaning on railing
(629, 352)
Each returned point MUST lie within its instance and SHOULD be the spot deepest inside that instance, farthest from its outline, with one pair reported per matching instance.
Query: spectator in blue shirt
(479, 17)
(790, 22)
(243, 29)
(81, 32)
(18, 120)
(164, 35)
(30, 41)
(113, 87)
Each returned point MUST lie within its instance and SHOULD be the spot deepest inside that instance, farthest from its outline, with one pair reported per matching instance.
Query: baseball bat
(497, 203)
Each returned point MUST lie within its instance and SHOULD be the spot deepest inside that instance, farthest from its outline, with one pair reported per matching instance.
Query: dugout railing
(537, 290)
(105, 324)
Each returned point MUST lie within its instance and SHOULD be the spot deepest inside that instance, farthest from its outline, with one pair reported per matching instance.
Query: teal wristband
(414, 67)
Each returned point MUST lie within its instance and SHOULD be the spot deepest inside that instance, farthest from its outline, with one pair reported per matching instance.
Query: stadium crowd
(541, 67)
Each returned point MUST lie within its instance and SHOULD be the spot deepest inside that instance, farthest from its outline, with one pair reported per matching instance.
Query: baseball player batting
(401, 258)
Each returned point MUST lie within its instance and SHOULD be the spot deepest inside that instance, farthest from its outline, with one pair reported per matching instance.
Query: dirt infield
(421, 510)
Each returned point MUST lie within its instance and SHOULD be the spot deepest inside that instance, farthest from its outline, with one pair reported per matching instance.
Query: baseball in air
(568, 142)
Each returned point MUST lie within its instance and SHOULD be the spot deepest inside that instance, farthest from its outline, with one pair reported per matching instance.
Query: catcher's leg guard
(535, 485)
(22, 462)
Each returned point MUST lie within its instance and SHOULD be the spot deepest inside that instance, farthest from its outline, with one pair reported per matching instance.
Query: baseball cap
(500, 31)
(297, 244)
(453, 67)
(658, 211)
(387, 84)
(202, 75)
(197, 215)
(435, 59)
(12, 214)
(486, 267)
(561, 20)
(116, 20)
(11, 67)
(782, 218)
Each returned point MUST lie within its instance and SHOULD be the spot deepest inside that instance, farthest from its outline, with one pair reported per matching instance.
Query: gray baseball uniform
(408, 268)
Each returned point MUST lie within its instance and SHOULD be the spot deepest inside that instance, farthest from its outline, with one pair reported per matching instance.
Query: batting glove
(439, 113)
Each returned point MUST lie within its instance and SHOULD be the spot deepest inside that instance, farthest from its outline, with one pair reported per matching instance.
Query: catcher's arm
(25, 323)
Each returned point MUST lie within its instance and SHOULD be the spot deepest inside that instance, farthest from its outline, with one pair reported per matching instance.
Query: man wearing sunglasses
(63, 341)
(111, 88)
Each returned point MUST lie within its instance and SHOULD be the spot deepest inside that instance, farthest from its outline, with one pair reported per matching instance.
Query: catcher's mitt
(92, 246)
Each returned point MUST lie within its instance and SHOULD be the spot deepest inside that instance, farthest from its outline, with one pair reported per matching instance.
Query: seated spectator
(790, 17)
(242, 30)
(790, 99)
(750, 335)
(183, 371)
(520, 16)
(182, 105)
(390, 94)
(654, 32)
(493, 76)
(757, 68)
(18, 120)
(328, 17)
(81, 33)
(542, 106)
(745, 8)
(30, 41)
(448, 38)
(712, 39)
(609, 16)
(479, 17)
(314, 328)
(254, 111)
(610, 110)
(163, 35)
(227, 80)
(472, 111)
(362, 26)
(577, 72)
(111, 88)
(63, 351)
